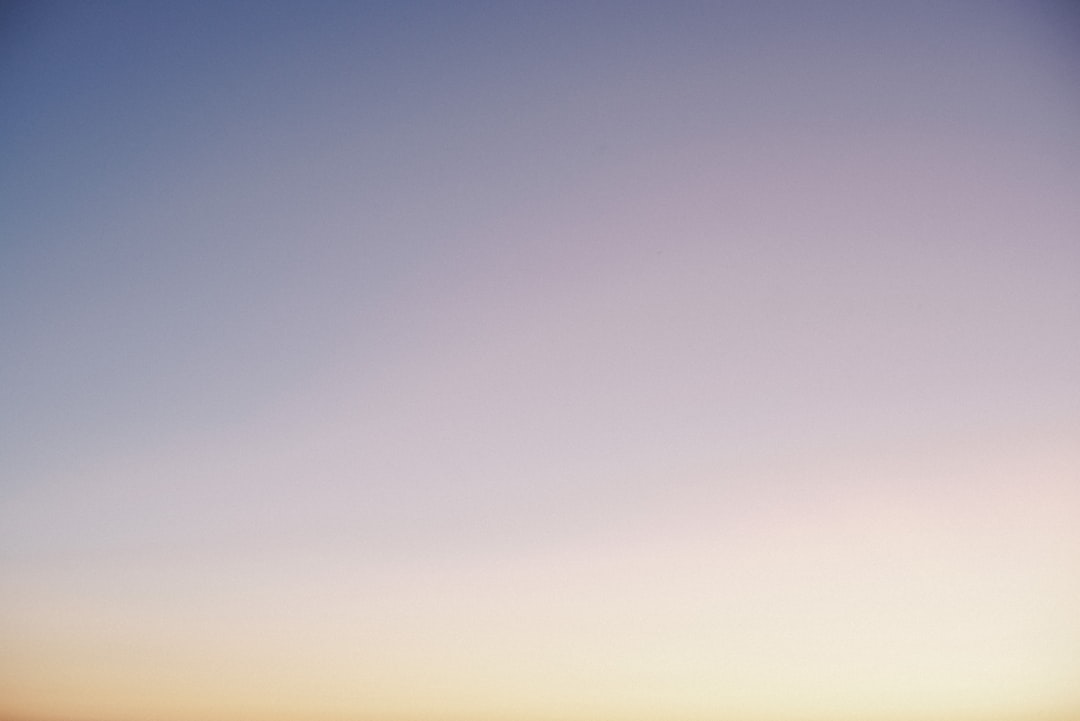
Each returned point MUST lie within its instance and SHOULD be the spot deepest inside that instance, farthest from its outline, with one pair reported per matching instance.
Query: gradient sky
(547, 362)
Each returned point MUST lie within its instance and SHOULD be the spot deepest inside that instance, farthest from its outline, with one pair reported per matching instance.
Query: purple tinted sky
(401, 288)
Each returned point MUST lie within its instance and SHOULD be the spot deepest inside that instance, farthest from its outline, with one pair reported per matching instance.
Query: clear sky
(539, 362)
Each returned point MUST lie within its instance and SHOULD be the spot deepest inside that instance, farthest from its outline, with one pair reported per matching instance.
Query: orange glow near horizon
(854, 605)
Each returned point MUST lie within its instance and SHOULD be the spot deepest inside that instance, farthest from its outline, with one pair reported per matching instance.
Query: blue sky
(474, 360)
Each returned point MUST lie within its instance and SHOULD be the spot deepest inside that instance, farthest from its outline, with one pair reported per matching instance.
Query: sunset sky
(540, 361)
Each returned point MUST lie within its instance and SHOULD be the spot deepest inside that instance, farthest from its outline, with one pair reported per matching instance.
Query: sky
(539, 361)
